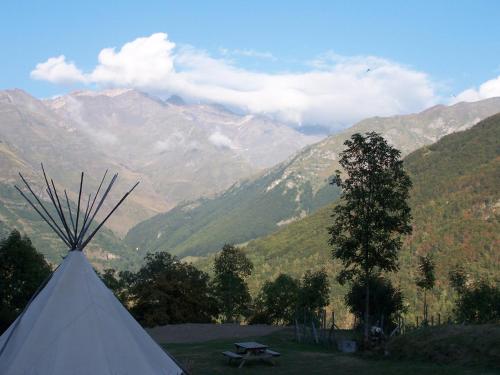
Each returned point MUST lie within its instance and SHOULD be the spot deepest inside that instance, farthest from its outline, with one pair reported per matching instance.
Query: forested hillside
(292, 189)
(455, 202)
(247, 210)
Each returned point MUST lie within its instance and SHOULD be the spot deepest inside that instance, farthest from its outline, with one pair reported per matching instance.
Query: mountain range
(178, 151)
(211, 176)
(292, 189)
(455, 202)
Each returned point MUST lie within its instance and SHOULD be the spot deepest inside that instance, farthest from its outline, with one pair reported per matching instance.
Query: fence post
(297, 330)
(315, 333)
(439, 319)
(417, 322)
(304, 325)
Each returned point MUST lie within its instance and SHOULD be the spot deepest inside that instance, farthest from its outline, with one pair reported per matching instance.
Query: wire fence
(319, 327)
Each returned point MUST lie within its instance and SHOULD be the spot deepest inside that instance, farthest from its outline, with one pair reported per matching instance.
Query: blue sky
(456, 44)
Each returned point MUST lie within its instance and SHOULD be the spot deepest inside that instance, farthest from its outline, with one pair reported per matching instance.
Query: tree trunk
(425, 307)
(367, 311)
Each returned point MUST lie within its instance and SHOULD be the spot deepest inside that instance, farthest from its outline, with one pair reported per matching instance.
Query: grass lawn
(206, 358)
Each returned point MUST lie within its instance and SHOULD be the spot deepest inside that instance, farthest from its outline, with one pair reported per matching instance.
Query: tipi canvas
(76, 326)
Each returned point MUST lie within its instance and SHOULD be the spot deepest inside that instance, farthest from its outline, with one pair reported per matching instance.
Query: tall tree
(373, 212)
(426, 280)
(231, 267)
(22, 271)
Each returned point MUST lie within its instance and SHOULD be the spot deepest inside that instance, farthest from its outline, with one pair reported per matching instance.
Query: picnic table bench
(250, 351)
(232, 355)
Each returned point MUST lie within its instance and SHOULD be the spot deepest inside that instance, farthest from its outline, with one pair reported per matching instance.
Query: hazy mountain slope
(31, 133)
(455, 203)
(187, 151)
(177, 151)
(200, 227)
(132, 129)
(292, 189)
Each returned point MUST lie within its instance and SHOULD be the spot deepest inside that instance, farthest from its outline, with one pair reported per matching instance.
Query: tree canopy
(479, 303)
(22, 271)
(386, 301)
(278, 300)
(166, 290)
(314, 291)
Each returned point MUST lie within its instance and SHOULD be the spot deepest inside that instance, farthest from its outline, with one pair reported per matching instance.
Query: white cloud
(338, 94)
(162, 145)
(142, 63)
(488, 89)
(105, 137)
(333, 91)
(248, 53)
(176, 140)
(220, 140)
(57, 70)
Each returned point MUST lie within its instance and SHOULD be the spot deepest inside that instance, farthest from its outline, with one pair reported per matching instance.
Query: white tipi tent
(74, 325)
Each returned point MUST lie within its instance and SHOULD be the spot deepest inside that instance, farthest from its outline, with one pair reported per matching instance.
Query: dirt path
(189, 333)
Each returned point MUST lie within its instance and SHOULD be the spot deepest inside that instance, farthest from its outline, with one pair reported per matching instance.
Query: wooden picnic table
(249, 351)
(250, 346)
(252, 350)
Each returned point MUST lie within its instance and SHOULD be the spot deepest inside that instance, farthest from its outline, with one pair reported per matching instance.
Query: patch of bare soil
(191, 333)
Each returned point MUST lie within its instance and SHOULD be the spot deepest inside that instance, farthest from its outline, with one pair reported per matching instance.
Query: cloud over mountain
(331, 91)
(488, 89)
(58, 70)
(220, 140)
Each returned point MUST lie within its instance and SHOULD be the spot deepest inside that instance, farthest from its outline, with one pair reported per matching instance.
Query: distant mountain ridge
(185, 151)
(294, 188)
(178, 151)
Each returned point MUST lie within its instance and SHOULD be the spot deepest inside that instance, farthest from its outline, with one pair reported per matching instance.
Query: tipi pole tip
(78, 206)
(70, 233)
(108, 216)
(103, 198)
(70, 213)
(133, 187)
